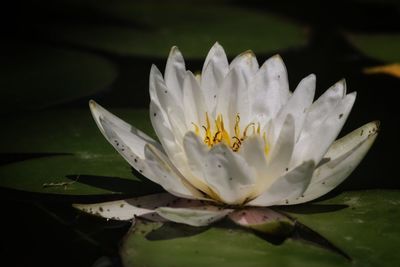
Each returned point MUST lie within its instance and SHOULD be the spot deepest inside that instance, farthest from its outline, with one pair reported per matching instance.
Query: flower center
(218, 134)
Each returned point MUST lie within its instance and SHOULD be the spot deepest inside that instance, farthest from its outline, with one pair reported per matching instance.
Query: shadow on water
(8, 158)
(116, 184)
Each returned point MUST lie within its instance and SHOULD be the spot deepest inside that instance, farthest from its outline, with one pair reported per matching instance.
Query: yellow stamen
(213, 136)
(196, 129)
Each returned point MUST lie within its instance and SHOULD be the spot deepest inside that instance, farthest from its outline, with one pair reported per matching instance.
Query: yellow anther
(237, 126)
(218, 134)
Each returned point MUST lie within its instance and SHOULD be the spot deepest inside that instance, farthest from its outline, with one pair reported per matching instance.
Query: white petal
(228, 174)
(314, 146)
(269, 90)
(132, 137)
(215, 69)
(281, 152)
(129, 208)
(193, 102)
(233, 100)
(298, 104)
(323, 106)
(345, 155)
(156, 168)
(253, 151)
(168, 176)
(199, 216)
(167, 98)
(175, 72)
(289, 186)
(247, 63)
(162, 128)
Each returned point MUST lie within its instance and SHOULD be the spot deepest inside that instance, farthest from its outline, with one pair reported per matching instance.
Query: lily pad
(365, 228)
(383, 47)
(63, 152)
(151, 28)
(36, 76)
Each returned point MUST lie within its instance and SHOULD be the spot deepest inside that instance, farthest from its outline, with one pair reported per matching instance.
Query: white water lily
(233, 138)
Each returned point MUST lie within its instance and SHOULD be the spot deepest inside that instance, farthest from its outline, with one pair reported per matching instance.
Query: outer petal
(167, 99)
(291, 185)
(345, 155)
(298, 104)
(199, 216)
(175, 72)
(129, 208)
(134, 138)
(168, 176)
(154, 167)
(269, 90)
(314, 146)
(214, 71)
(323, 106)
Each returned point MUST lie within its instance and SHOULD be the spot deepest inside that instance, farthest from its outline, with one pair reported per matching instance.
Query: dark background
(46, 231)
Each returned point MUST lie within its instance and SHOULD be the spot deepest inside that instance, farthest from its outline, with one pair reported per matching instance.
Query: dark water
(39, 230)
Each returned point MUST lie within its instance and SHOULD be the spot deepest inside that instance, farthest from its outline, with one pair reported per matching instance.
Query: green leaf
(151, 29)
(367, 229)
(63, 152)
(383, 47)
(362, 224)
(35, 76)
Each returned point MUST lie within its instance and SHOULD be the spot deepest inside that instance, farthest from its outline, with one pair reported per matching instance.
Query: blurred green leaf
(383, 47)
(63, 152)
(36, 76)
(152, 28)
(367, 230)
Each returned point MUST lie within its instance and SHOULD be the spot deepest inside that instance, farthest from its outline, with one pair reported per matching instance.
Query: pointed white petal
(168, 176)
(193, 102)
(168, 99)
(289, 186)
(269, 90)
(345, 155)
(314, 146)
(281, 152)
(215, 69)
(132, 137)
(298, 104)
(228, 174)
(253, 151)
(198, 216)
(195, 151)
(156, 168)
(175, 72)
(129, 208)
(323, 106)
(247, 63)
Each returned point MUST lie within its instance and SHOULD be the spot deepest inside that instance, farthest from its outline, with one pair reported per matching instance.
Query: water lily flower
(234, 140)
